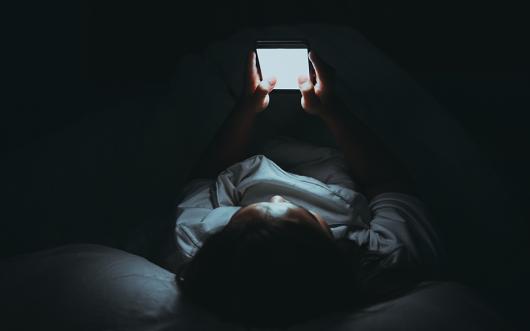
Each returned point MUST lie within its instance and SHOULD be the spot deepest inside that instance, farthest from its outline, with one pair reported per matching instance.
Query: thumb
(309, 100)
(261, 94)
(265, 87)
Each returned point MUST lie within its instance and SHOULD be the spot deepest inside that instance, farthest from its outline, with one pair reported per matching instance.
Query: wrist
(327, 113)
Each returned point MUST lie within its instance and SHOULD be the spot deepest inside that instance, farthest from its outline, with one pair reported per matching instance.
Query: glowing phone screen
(286, 64)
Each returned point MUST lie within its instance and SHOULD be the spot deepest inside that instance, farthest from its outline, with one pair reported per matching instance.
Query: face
(280, 209)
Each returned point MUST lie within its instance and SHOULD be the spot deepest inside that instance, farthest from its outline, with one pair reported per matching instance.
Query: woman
(279, 238)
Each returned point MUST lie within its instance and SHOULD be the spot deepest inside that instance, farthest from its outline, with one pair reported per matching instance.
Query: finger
(252, 71)
(322, 69)
(264, 103)
(317, 71)
(265, 87)
(309, 99)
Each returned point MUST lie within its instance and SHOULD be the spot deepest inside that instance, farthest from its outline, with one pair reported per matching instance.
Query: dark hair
(265, 273)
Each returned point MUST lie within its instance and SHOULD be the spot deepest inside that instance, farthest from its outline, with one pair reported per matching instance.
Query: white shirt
(394, 224)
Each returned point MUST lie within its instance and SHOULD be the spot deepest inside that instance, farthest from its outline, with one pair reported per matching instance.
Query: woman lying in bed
(266, 245)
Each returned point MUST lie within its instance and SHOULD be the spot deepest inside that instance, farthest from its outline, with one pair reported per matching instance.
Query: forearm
(371, 163)
(230, 143)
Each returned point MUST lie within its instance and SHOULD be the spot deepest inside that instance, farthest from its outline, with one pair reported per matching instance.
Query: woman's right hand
(316, 99)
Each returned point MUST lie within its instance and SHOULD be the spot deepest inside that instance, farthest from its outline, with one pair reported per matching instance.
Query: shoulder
(196, 194)
(402, 230)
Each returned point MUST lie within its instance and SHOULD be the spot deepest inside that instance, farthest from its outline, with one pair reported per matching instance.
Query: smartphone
(284, 59)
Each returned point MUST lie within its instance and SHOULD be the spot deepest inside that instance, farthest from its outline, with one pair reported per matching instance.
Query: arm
(232, 139)
(371, 164)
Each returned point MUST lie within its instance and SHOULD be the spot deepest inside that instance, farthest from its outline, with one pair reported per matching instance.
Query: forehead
(272, 211)
(279, 212)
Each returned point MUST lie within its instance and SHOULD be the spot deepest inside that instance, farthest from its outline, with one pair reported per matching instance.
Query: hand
(256, 92)
(316, 98)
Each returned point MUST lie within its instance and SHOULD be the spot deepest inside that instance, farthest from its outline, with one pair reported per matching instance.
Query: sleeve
(401, 231)
(197, 218)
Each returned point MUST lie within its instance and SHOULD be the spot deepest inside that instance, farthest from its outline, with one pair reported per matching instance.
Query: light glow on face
(286, 64)
(276, 209)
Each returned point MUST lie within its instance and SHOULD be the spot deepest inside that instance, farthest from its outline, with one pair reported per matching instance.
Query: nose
(277, 198)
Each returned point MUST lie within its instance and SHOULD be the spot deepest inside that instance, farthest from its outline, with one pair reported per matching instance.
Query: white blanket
(393, 224)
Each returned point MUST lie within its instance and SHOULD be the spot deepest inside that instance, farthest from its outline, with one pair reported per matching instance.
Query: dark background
(82, 83)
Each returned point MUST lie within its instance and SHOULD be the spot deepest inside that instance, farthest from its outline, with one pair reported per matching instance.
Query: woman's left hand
(255, 92)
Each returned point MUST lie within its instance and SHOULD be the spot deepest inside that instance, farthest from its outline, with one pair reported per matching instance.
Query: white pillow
(90, 287)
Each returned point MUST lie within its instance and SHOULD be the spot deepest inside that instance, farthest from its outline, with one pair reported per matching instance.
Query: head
(273, 264)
